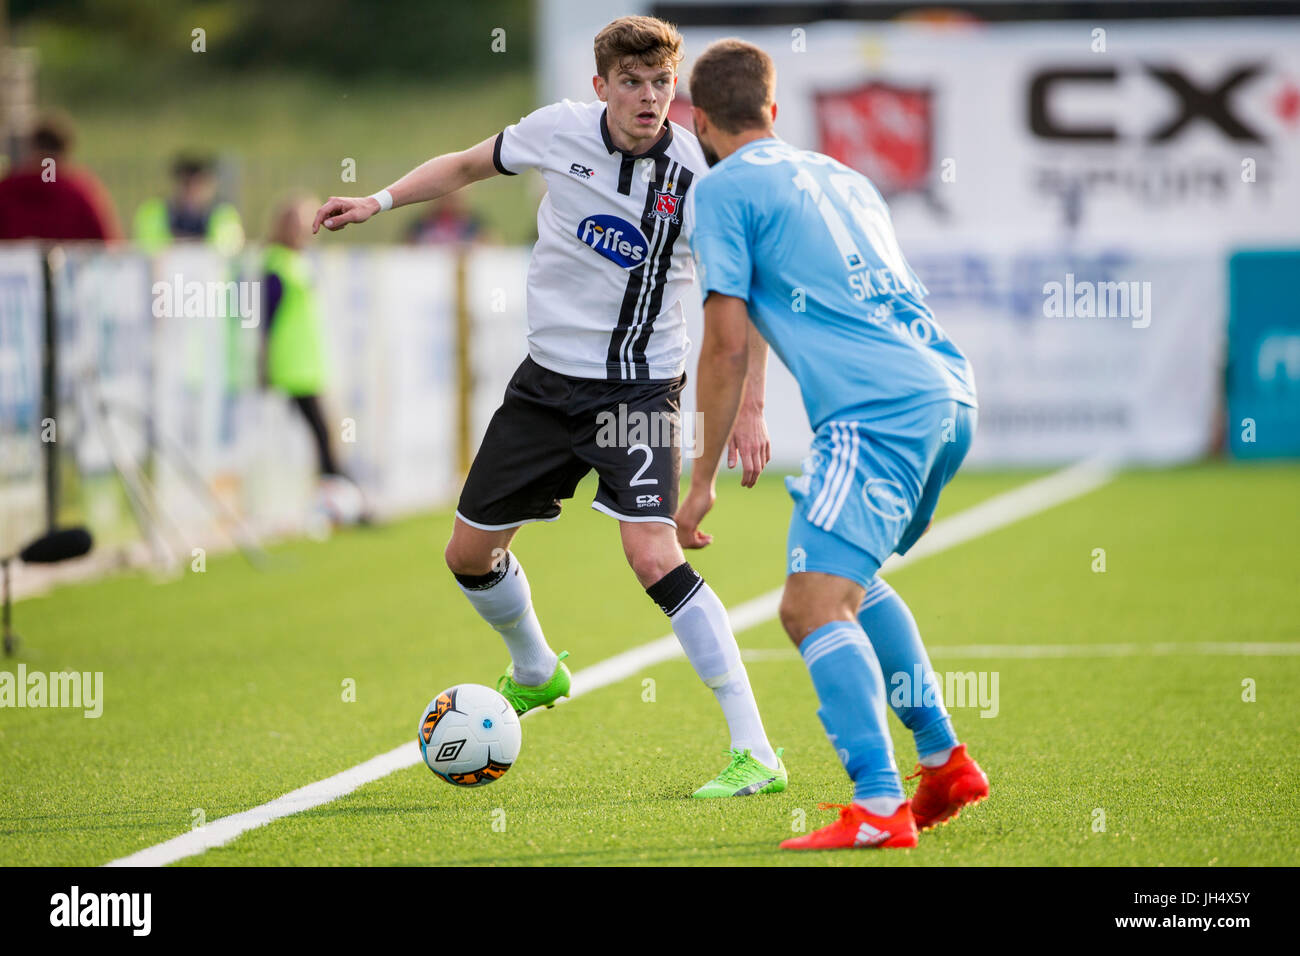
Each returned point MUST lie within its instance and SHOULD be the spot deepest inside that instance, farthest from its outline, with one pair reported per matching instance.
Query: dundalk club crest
(886, 132)
(666, 204)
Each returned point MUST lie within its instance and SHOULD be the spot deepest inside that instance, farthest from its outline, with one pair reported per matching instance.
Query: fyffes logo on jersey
(616, 239)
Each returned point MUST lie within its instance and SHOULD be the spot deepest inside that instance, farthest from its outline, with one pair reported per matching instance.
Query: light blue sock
(907, 672)
(847, 678)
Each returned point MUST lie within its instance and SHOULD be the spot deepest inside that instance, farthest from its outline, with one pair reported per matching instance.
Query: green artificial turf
(224, 690)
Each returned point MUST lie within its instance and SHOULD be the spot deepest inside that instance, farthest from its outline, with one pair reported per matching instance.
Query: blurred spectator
(293, 359)
(446, 220)
(45, 197)
(192, 211)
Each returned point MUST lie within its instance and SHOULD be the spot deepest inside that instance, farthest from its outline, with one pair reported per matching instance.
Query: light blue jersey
(809, 244)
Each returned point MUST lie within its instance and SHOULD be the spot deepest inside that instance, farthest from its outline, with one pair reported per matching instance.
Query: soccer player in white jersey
(891, 401)
(607, 337)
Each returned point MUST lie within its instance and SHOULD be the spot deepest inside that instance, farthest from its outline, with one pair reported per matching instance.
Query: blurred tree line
(136, 43)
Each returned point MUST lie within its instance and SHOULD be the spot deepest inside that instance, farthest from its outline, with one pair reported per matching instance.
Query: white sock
(504, 600)
(881, 806)
(936, 759)
(741, 712)
(700, 622)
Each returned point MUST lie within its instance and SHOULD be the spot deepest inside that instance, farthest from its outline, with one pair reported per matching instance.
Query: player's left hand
(696, 504)
(749, 444)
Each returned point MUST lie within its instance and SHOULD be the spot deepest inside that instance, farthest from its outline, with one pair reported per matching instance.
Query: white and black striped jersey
(611, 265)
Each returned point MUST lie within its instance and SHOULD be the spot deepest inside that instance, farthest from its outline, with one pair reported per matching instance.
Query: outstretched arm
(431, 179)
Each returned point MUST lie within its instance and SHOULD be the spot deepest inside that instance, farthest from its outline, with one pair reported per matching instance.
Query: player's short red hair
(645, 40)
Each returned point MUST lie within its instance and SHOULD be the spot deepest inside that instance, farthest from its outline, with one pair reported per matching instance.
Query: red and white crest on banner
(883, 131)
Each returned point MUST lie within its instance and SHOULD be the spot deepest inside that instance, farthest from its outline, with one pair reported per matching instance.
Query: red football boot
(945, 790)
(858, 829)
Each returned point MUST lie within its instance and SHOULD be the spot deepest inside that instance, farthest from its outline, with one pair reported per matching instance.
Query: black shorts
(552, 429)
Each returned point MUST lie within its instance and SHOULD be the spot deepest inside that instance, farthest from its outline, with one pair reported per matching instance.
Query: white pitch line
(1166, 649)
(996, 512)
(1035, 651)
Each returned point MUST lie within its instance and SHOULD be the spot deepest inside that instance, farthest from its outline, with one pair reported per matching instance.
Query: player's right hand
(697, 503)
(749, 444)
(338, 211)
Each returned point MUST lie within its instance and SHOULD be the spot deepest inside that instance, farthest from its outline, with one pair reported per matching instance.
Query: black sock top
(675, 588)
(481, 582)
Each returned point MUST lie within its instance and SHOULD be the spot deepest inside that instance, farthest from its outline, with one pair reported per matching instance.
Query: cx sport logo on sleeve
(616, 239)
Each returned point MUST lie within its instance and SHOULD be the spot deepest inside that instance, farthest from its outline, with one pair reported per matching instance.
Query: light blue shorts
(871, 485)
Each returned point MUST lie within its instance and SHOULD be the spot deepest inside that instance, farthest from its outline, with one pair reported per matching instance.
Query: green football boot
(525, 697)
(745, 776)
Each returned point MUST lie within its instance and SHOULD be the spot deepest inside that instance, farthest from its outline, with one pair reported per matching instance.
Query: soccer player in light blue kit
(803, 247)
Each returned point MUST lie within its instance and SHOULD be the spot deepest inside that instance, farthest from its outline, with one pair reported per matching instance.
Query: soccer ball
(469, 735)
